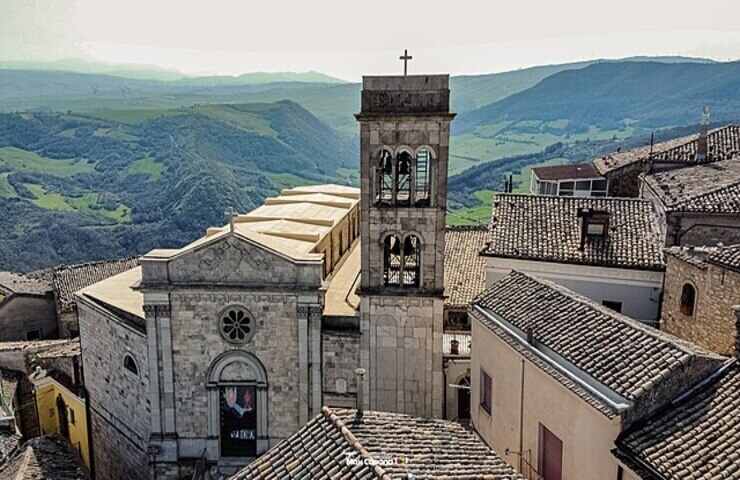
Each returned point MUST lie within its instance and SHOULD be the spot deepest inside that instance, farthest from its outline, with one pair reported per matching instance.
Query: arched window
(392, 261)
(422, 192)
(130, 364)
(385, 178)
(688, 299)
(403, 178)
(411, 261)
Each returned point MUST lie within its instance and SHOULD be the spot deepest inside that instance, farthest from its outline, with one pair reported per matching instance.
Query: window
(411, 261)
(403, 178)
(130, 365)
(392, 261)
(688, 299)
(385, 178)
(33, 334)
(402, 261)
(71, 416)
(485, 392)
(566, 189)
(423, 163)
(236, 325)
(550, 458)
(616, 306)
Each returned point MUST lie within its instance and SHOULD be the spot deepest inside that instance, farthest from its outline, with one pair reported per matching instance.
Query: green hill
(75, 187)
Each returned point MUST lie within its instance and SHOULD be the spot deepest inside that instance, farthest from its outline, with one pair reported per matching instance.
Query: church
(324, 296)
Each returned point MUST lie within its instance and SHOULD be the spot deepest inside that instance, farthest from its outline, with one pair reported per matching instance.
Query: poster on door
(238, 422)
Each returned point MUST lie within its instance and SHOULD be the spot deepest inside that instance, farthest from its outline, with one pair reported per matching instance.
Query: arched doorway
(463, 399)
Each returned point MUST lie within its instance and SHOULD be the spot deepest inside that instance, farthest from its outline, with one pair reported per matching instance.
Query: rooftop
(426, 448)
(341, 295)
(628, 358)
(62, 350)
(44, 458)
(465, 269)
(548, 229)
(23, 285)
(33, 344)
(727, 257)
(118, 292)
(723, 143)
(713, 188)
(291, 224)
(695, 437)
(566, 172)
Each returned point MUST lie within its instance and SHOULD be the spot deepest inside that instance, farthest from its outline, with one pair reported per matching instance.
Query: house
(558, 377)
(697, 205)
(623, 168)
(44, 458)
(604, 248)
(26, 308)
(702, 286)
(356, 444)
(574, 180)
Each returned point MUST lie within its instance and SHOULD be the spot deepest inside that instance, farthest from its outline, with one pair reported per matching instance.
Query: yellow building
(61, 411)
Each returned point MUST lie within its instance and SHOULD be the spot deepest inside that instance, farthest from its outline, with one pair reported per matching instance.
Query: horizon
(224, 40)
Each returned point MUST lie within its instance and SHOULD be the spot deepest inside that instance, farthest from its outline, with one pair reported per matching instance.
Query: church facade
(212, 353)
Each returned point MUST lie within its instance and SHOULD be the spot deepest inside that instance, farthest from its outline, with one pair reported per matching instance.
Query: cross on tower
(405, 57)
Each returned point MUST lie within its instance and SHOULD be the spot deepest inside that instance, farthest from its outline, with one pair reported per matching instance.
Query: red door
(550, 455)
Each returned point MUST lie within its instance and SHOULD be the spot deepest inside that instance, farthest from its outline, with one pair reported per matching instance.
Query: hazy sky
(347, 38)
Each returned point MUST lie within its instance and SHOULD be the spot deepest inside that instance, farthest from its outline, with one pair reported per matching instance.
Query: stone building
(557, 379)
(698, 205)
(218, 350)
(702, 286)
(604, 248)
(623, 168)
(26, 308)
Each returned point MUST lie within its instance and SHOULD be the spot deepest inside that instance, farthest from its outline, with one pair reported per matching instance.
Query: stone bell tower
(404, 132)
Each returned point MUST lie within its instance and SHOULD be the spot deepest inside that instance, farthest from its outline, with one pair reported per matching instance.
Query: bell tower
(404, 133)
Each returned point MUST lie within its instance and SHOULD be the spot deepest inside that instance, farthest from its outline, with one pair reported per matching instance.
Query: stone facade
(340, 357)
(119, 399)
(712, 324)
(25, 317)
(625, 181)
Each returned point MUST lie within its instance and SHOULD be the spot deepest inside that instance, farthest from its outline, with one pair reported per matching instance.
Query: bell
(387, 165)
(403, 166)
(409, 247)
(395, 246)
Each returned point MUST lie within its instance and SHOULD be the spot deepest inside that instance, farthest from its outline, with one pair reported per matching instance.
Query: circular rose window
(236, 325)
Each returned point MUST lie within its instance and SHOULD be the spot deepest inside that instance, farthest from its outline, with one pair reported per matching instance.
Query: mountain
(76, 65)
(608, 95)
(75, 187)
(259, 78)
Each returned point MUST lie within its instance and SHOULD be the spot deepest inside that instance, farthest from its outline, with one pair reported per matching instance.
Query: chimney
(454, 347)
(360, 374)
(736, 308)
(702, 146)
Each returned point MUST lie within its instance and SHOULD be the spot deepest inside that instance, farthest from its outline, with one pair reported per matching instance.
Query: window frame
(130, 358)
(486, 388)
(694, 295)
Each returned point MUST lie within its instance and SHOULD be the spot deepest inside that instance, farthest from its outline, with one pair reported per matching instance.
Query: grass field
(480, 214)
(147, 166)
(24, 161)
(134, 116)
(88, 203)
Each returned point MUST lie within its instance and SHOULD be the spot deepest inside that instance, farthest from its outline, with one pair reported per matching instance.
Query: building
(10, 434)
(575, 180)
(368, 445)
(558, 377)
(623, 168)
(43, 458)
(702, 286)
(604, 248)
(26, 308)
(697, 205)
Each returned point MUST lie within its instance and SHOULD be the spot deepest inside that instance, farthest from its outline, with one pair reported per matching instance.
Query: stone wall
(340, 357)
(624, 182)
(401, 350)
(712, 325)
(119, 400)
(21, 315)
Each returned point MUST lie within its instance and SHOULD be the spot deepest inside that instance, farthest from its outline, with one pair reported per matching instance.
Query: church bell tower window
(392, 261)
(401, 261)
(403, 179)
(411, 260)
(236, 325)
(423, 163)
(385, 178)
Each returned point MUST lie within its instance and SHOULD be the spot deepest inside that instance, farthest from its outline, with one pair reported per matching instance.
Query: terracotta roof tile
(548, 229)
(44, 458)
(697, 437)
(727, 257)
(465, 269)
(426, 448)
(21, 284)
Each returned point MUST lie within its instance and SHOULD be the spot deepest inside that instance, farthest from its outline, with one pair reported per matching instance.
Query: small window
(688, 299)
(130, 365)
(485, 391)
(616, 306)
(71, 416)
(598, 185)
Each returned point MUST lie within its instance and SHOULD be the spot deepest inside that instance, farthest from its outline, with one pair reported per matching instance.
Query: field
(19, 160)
(88, 203)
(147, 166)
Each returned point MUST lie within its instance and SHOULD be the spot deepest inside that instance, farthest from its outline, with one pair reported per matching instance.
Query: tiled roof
(620, 353)
(548, 228)
(566, 172)
(422, 447)
(696, 256)
(713, 188)
(463, 343)
(15, 283)
(723, 143)
(727, 257)
(8, 385)
(465, 269)
(44, 458)
(696, 437)
(9, 443)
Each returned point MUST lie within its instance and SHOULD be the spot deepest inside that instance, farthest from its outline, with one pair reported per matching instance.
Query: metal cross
(405, 57)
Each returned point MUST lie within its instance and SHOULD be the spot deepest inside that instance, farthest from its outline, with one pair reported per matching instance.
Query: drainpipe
(521, 423)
